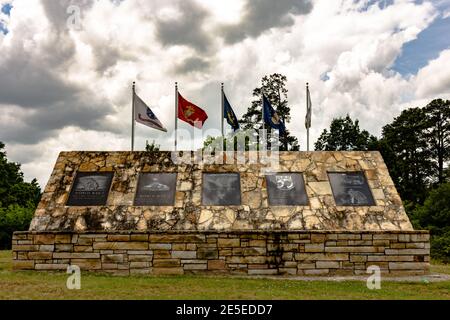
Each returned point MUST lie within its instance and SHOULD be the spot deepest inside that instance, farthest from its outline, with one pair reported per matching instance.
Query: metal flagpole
(263, 120)
(176, 114)
(307, 114)
(133, 115)
(223, 111)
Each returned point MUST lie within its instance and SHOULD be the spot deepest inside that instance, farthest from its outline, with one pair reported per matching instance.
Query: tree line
(18, 199)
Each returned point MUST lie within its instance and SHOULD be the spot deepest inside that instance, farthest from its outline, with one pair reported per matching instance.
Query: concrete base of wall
(230, 252)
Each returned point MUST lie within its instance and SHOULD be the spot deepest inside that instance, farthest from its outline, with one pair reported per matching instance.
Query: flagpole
(132, 115)
(176, 114)
(262, 113)
(223, 111)
(307, 110)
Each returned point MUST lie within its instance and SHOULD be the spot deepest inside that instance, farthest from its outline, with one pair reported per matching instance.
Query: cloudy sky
(65, 82)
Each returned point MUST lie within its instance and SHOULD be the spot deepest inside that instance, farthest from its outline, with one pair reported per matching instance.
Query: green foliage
(344, 135)
(437, 134)
(274, 88)
(18, 199)
(434, 215)
(13, 218)
(151, 147)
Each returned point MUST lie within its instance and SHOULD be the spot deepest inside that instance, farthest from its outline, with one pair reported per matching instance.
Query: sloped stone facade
(188, 212)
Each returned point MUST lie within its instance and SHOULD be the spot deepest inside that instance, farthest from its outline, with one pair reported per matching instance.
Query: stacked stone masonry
(188, 213)
(289, 253)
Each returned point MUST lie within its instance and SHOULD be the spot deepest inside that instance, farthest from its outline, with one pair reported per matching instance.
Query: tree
(274, 88)
(407, 154)
(437, 134)
(345, 135)
(18, 199)
(151, 147)
(434, 215)
(13, 189)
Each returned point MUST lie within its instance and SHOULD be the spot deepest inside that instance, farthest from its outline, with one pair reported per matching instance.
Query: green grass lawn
(34, 285)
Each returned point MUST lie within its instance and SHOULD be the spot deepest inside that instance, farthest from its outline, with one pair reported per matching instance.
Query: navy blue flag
(229, 114)
(271, 117)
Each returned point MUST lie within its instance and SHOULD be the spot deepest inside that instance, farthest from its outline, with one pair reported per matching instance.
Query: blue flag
(271, 117)
(229, 114)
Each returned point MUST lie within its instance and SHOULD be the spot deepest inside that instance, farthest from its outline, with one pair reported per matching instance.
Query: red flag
(190, 113)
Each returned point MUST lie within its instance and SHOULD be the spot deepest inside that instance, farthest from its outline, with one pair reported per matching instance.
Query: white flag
(308, 109)
(144, 115)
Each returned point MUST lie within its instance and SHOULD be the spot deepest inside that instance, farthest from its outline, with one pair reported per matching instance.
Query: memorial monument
(318, 213)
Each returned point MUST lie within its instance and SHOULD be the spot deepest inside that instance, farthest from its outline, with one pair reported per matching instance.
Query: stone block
(51, 267)
(184, 254)
(40, 255)
(255, 259)
(118, 237)
(354, 249)
(76, 255)
(425, 237)
(262, 272)
(87, 264)
(160, 246)
(166, 263)
(83, 248)
(315, 247)
(300, 257)
(358, 258)
(47, 247)
(349, 236)
(288, 271)
(409, 265)
(44, 239)
(113, 258)
(174, 238)
(139, 264)
(23, 265)
(64, 247)
(226, 243)
(398, 252)
(252, 251)
(139, 237)
(387, 236)
(207, 253)
(327, 265)
(197, 266)
(121, 246)
(140, 258)
(63, 238)
(168, 271)
(216, 265)
(318, 238)
(27, 247)
(162, 254)
(316, 272)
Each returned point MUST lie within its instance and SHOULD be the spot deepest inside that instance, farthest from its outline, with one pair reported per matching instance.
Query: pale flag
(308, 109)
(144, 115)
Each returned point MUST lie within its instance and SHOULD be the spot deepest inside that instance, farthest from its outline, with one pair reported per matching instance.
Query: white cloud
(70, 90)
(434, 78)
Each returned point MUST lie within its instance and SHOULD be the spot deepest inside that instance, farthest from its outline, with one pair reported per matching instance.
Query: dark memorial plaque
(286, 189)
(221, 189)
(351, 189)
(90, 189)
(156, 189)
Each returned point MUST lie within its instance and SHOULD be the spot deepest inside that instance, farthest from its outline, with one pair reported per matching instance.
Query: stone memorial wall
(313, 213)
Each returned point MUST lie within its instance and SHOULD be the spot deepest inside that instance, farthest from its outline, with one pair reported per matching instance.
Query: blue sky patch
(6, 9)
(3, 28)
(429, 43)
